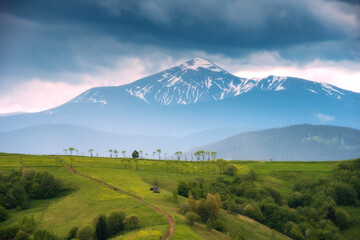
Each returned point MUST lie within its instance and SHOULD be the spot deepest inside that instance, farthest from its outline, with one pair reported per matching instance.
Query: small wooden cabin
(155, 189)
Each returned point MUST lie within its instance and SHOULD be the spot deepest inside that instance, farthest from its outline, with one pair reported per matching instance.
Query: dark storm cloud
(52, 35)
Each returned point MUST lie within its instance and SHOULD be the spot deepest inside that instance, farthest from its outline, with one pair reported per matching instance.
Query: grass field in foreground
(88, 199)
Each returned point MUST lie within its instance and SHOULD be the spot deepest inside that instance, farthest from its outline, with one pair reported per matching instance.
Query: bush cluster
(19, 187)
(312, 211)
(105, 227)
(20, 231)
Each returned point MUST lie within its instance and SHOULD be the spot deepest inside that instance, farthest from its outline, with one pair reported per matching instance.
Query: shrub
(253, 211)
(184, 208)
(28, 224)
(327, 230)
(85, 233)
(115, 222)
(28, 174)
(131, 222)
(293, 230)
(101, 230)
(3, 214)
(274, 194)
(9, 232)
(183, 189)
(44, 186)
(219, 225)
(295, 200)
(21, 235)
(208, 224)
(239, 236)
(192, 217)
(175, 196)
(251, 175)
(342, 219)
(231, 170)
(44, 235)
(345, 195)
(72, 233)
(16, 197)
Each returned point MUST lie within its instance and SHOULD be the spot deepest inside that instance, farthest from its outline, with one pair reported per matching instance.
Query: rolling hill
(300, 142)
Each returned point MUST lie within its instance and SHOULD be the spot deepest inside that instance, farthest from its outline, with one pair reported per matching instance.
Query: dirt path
(170, 220)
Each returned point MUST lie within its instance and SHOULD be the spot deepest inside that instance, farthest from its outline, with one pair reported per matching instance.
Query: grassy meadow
(86, 199)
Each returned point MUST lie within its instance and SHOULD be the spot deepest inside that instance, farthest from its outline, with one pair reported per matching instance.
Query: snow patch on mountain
(329, 89)
(197, 63)
(311, 90)
(87, 98)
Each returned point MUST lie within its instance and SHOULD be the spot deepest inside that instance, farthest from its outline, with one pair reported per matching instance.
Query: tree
(197, 155)
(345, 194)
(159, 152)
(230, 204)
(9, 232)
(251, 175)
(140, 153)
(16, 196)
(208, 225)
(253, 211)
(91, 151)
(131, 222)
(183, 189)
(342, 219)
(123, 153)
(110, 152)
(3, 214)
(178, 155)
(28, 224)
(65, 151)
(202, 153)
(72, 233)
(219, 225)
(45, 235)
(101, 230)
(192, 217)
(231, 170)
(44, 186)
(71, 149)
(213, 155)
(77, 152)
(116, 153)
(135, 154)
(221, 164)
(192, 203)
(115, 222)
(153, 155)
(175, 196)
(85, 233)
(22, 235)
(184, 208)
(213, 205)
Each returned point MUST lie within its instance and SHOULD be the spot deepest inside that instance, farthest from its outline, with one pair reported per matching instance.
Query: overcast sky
(52, 50)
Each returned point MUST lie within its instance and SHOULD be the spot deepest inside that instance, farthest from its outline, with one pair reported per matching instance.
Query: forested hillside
(300, 142)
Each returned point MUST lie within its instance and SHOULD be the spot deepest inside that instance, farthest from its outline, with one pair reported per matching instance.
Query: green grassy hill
(87, 199)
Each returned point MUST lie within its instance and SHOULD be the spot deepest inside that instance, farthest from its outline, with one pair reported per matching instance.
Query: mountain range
(191, 99)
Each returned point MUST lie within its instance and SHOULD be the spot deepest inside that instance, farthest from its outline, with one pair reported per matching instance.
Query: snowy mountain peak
(197, 63)
(199, 80)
